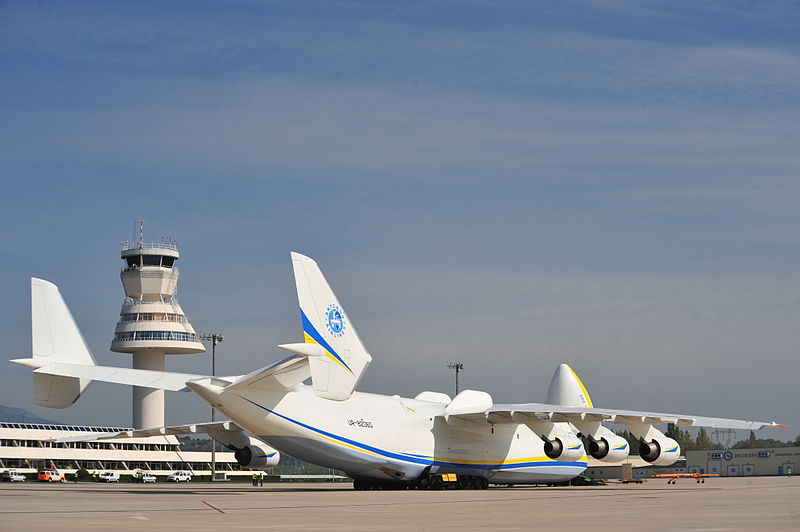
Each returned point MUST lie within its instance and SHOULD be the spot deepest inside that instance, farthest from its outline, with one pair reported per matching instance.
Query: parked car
(143, 476)
(50, 475)
(108, 476)
(180, 476)
(11, 475)
(583, 480)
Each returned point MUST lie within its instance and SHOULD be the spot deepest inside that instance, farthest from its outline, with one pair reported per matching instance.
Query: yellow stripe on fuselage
(353, 447)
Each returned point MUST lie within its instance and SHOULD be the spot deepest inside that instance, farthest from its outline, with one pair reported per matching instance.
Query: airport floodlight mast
(152, 324)
(458, 366)
(214, 338)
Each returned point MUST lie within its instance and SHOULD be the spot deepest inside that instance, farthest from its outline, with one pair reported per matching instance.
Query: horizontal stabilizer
(220, 431)
(146, 378)
(253, 451)
(280, 376)
(305, 350)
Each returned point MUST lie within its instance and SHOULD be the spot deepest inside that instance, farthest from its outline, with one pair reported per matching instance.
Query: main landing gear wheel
(426, 482)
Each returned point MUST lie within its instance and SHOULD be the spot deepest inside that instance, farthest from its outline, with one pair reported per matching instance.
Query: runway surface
(764, 503)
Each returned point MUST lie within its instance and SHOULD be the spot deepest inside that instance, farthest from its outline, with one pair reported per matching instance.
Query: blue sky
(608, 183)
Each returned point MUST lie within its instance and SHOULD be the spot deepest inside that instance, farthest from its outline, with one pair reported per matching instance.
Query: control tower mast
(152, 323)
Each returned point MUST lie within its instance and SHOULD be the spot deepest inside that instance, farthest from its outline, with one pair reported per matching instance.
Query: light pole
(458, 366)
(215, 339)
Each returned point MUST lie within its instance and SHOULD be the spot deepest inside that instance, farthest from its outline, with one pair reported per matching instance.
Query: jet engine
(660, 451)
(255, 456)
(609, 448)
(566, 448)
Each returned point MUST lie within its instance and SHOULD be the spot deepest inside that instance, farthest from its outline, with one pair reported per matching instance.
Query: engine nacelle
(565, 448)
(609, 448)
(661, 451)
(255, 456)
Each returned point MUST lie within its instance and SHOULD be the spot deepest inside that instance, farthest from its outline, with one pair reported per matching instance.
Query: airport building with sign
(744, 462)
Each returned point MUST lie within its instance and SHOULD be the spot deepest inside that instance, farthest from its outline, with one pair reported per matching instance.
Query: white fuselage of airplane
(388, 437)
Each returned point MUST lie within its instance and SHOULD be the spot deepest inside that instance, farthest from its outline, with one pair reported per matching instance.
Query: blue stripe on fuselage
(415, 459)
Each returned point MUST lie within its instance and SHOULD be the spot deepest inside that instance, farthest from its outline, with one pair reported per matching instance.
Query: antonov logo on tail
(335, 320)
(468, 437)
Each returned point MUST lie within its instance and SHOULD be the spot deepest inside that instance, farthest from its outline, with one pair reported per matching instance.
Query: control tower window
(167, 262)
(134, 261)
(151, 260)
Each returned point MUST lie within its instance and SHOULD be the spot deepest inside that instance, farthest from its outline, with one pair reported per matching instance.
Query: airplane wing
(250, 451)
(226, 432)
(521, 413)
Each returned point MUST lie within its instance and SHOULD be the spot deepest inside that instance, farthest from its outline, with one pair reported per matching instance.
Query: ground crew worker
(254, 480)
(261, 479)
(789, 471)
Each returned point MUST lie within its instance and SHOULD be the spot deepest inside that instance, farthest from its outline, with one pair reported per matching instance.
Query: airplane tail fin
(335, 353)
(566, 389)
(56, 339)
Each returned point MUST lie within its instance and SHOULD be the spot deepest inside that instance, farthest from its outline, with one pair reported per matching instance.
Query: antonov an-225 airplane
(381, 441)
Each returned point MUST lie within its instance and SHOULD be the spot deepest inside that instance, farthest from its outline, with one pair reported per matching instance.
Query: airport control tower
(152, 323)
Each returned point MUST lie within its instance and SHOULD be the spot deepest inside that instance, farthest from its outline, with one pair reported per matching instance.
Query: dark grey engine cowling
(659, 451)
(255, 456)
(565, 448)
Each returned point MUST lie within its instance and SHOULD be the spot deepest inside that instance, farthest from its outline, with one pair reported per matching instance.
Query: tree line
(703, 442)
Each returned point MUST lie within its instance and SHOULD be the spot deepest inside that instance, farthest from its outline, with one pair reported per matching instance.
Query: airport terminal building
(28, 447)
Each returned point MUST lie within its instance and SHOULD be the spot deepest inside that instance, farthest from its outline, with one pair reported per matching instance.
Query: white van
(143, 476)
(108, 476)
(11, 475)
(180, 476)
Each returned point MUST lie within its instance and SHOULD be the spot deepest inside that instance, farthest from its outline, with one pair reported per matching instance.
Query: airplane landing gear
(452, 481)
(425, 482)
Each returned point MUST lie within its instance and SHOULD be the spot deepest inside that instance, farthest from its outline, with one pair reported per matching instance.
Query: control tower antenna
(152, 324)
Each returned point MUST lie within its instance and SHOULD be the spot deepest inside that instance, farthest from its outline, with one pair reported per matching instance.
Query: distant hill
(19, 415)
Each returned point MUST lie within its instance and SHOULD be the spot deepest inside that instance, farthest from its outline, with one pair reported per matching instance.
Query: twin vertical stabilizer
(56, 339)
(336, 355)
